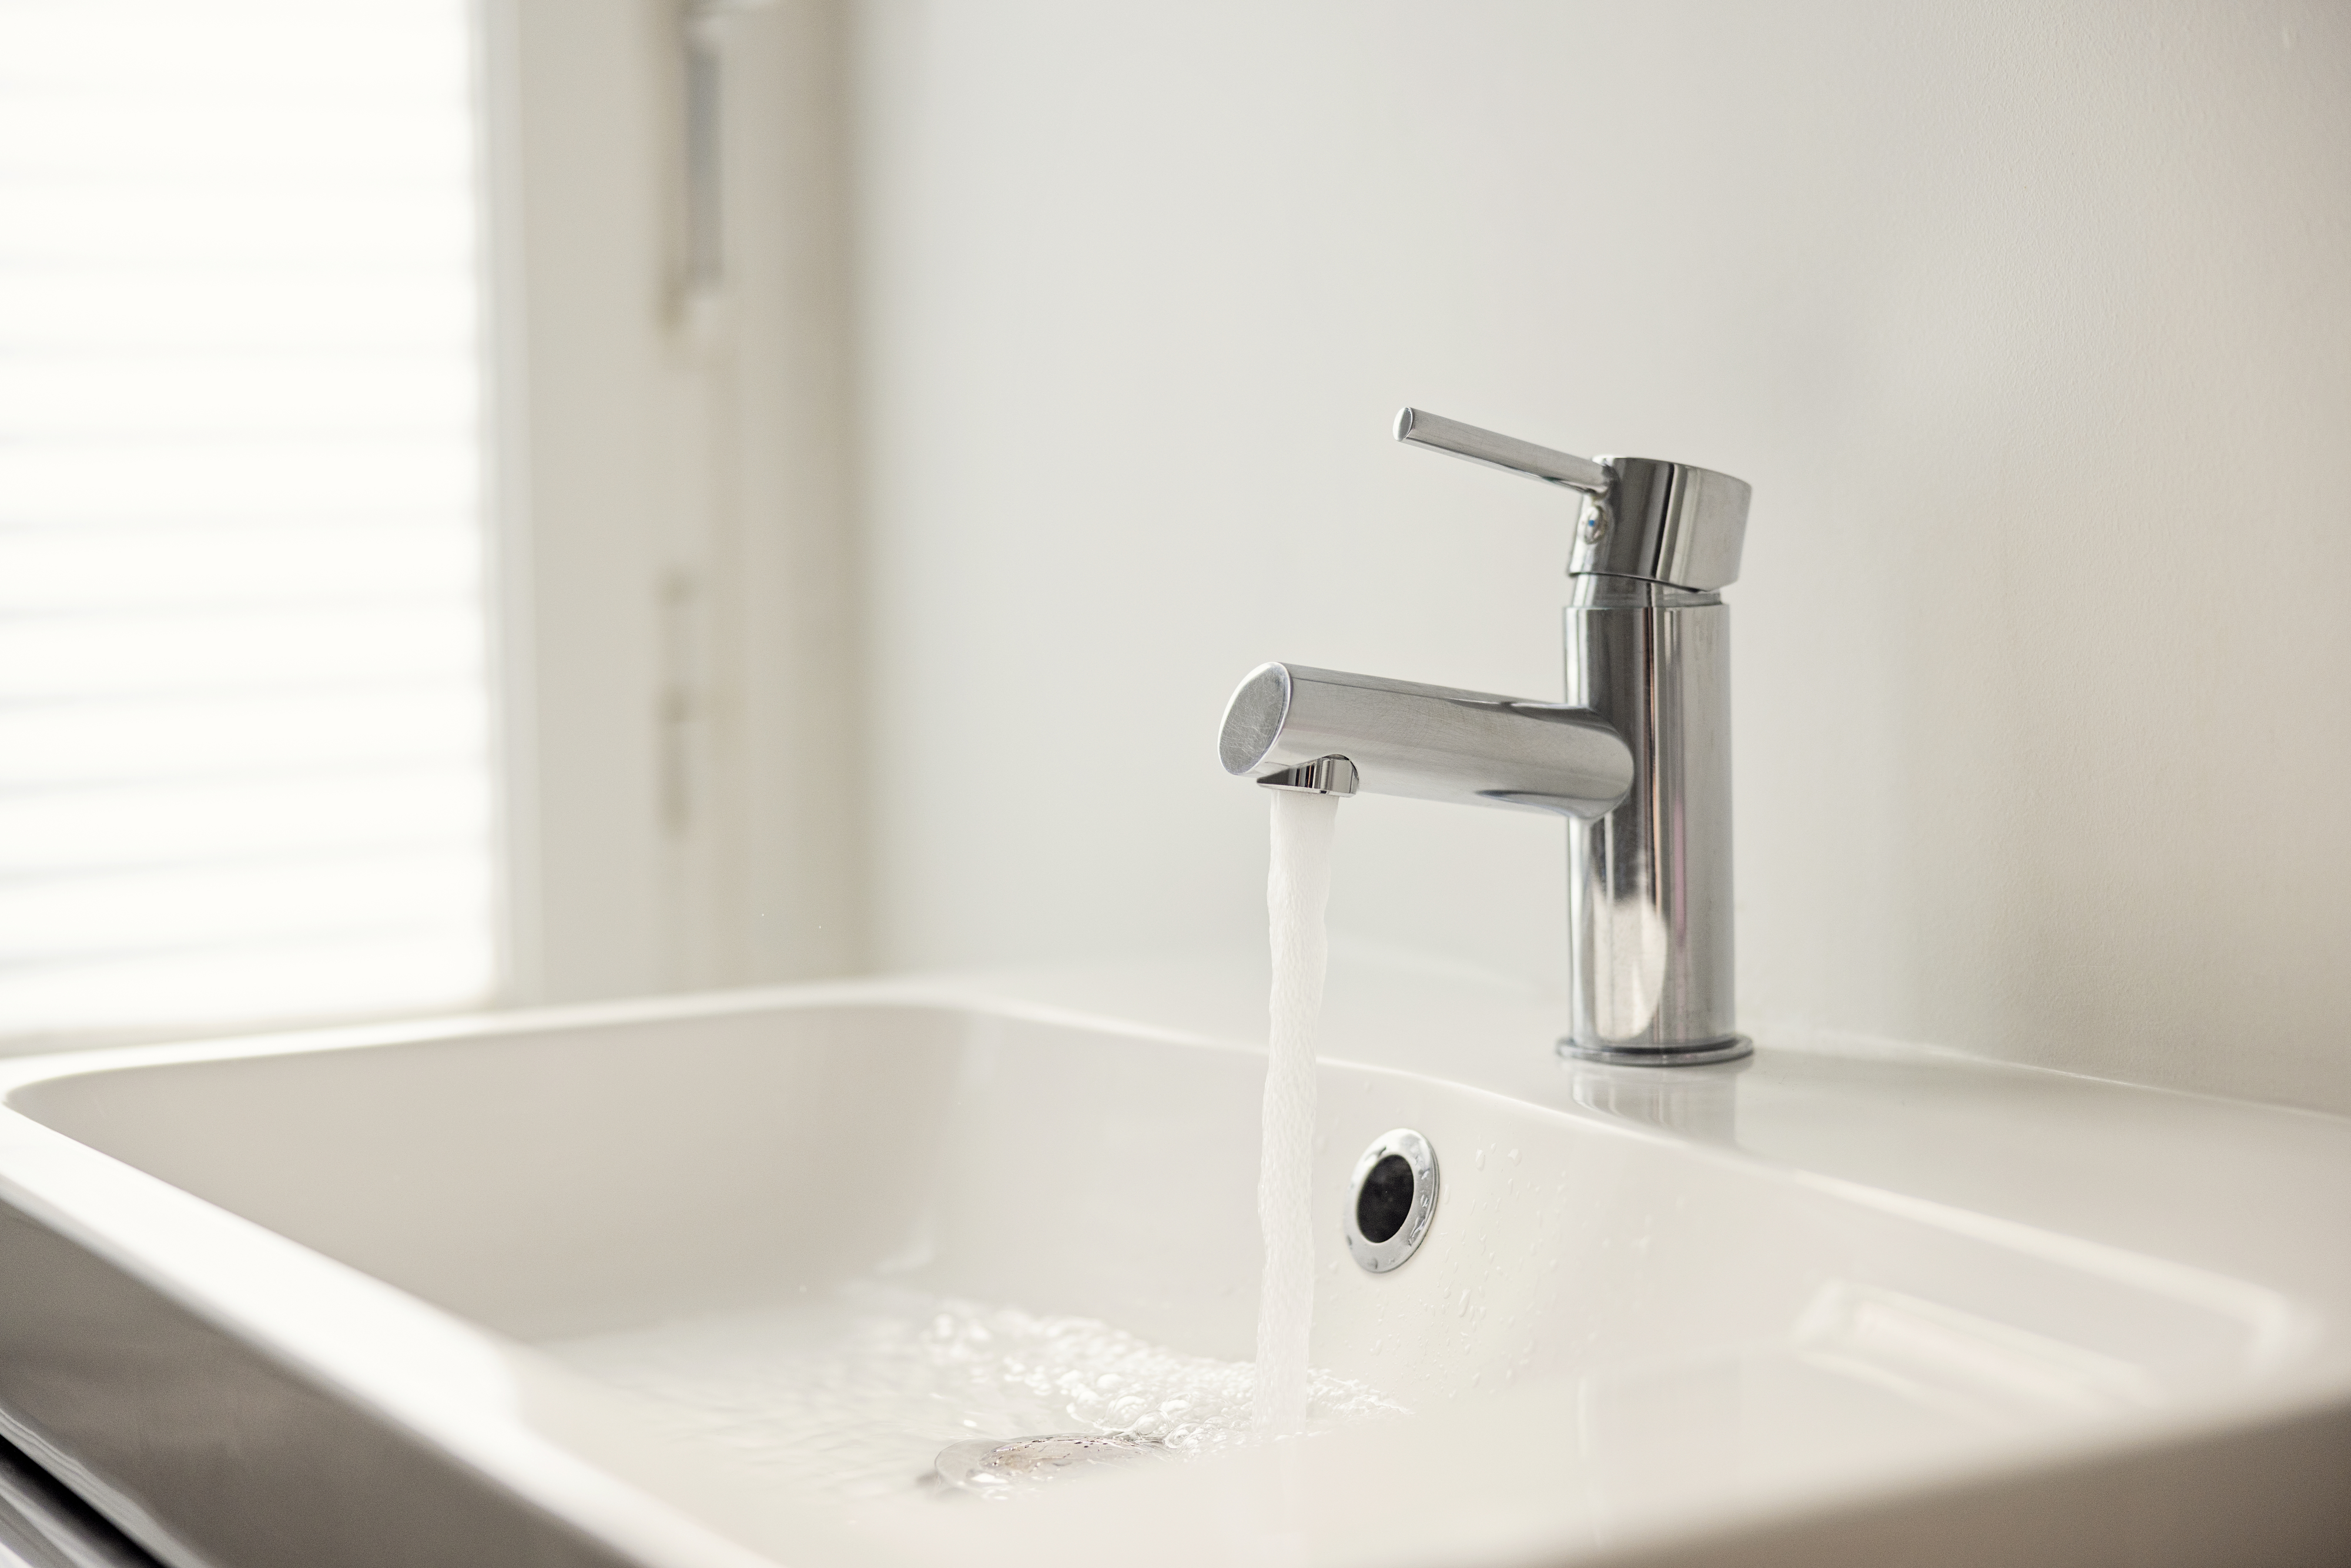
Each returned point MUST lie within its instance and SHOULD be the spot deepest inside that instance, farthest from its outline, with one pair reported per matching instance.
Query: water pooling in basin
(1298, 890)
(873, 1390)
(855, 1393)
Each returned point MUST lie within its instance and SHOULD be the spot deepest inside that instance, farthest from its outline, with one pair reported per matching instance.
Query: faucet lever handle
(1642, 517)
(1504, 451)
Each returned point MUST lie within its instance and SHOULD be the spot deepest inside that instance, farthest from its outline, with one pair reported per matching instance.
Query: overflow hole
(1385, 1201)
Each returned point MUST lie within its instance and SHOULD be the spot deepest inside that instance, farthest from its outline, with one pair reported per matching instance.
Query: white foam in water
(1298, 890)
(854, 1393)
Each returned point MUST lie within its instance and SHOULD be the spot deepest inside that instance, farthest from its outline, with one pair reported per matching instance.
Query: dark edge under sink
(43, 1525)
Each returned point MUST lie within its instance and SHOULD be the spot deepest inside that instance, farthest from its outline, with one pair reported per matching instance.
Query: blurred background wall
(869, 602)
(2030, 325)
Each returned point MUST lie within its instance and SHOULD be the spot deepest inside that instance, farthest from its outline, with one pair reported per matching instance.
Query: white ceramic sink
(629, 1285)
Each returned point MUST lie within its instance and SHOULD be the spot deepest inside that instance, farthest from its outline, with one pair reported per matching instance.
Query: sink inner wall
(565, 1181)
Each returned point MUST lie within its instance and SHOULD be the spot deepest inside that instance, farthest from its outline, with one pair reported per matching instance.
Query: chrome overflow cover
(1393, 1197)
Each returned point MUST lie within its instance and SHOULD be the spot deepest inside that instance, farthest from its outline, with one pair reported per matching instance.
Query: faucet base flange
(1729, 1047)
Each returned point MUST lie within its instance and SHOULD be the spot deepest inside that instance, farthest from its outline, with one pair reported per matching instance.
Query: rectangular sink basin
(716, 1280)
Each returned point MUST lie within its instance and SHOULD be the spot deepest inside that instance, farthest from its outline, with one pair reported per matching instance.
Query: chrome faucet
(1637, 758)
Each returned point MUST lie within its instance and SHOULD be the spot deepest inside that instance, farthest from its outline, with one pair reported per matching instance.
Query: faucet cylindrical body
(1650, 971)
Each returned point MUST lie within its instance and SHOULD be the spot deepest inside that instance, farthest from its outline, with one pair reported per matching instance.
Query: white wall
(2031, 325)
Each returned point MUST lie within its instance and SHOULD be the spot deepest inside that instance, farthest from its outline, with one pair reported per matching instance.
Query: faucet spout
(1432, 743)
(1323, 776)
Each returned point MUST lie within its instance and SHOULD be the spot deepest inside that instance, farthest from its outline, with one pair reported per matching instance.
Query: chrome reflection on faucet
(1636, 758)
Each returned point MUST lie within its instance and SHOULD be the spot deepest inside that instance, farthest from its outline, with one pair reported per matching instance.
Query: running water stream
(1298, 890)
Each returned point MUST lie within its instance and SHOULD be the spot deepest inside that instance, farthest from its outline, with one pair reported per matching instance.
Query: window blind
(245, 770)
